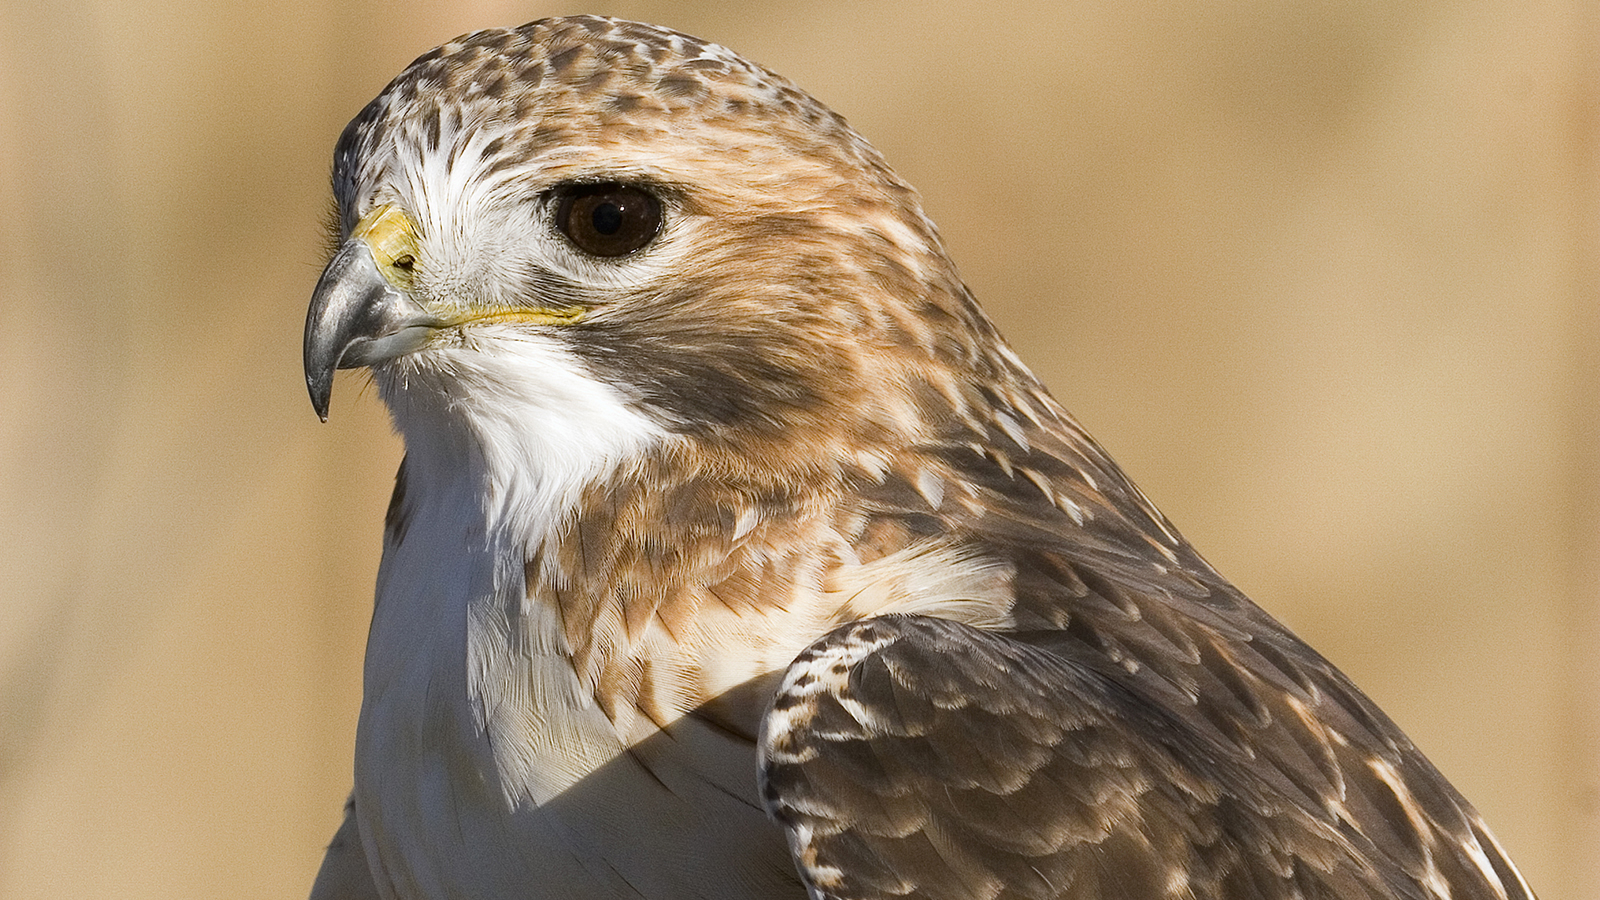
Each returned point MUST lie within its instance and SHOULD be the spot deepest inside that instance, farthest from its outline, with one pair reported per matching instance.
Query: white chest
(485, 770)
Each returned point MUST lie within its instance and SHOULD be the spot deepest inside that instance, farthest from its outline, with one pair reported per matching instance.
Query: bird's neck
(498, 695)
(500, 449)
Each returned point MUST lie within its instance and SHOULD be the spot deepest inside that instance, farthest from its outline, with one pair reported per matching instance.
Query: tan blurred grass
(1321, 275)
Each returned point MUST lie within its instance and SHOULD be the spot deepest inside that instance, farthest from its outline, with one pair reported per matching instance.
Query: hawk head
(653, 236)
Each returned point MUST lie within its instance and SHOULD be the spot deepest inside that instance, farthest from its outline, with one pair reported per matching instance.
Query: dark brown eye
(608, 219)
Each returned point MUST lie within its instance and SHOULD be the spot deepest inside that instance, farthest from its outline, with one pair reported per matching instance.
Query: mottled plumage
(735, 555)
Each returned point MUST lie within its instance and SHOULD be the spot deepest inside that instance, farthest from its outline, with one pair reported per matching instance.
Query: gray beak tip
(321, 390)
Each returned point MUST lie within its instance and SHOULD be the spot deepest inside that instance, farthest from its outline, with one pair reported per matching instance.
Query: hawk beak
(358, 317)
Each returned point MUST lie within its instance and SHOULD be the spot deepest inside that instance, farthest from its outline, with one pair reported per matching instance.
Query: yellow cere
(392, 236)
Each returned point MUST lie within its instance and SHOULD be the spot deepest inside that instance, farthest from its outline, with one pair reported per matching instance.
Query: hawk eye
(609, 219)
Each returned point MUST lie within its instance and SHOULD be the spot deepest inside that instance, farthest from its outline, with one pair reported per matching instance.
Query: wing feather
(918, 756)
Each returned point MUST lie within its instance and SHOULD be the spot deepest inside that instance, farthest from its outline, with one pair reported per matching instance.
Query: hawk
(734, 554)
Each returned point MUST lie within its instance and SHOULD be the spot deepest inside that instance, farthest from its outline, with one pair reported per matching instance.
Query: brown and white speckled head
(792, 276)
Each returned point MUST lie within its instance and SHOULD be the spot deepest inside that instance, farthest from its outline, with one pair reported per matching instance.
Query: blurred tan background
(1322, 275)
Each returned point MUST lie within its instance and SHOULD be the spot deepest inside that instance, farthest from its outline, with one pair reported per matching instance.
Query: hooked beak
(358, 316)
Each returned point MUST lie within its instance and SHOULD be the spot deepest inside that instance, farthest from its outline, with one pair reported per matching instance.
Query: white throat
(521, 420)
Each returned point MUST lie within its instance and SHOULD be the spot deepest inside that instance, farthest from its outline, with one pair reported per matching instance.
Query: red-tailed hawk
(735, 555)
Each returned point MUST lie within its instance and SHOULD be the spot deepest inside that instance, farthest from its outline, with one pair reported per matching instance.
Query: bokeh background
(1321, 273)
